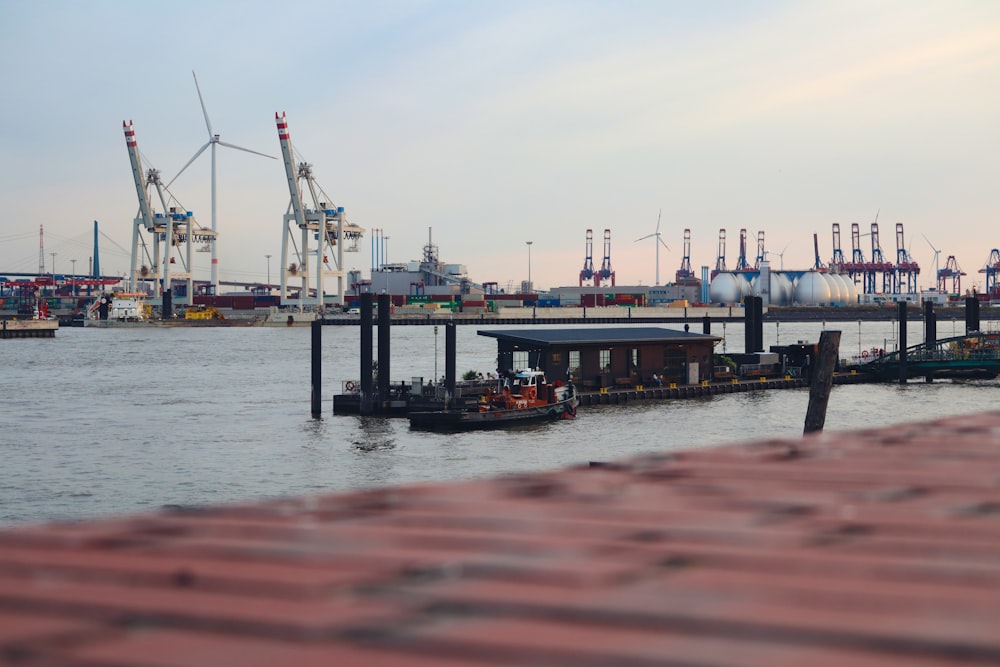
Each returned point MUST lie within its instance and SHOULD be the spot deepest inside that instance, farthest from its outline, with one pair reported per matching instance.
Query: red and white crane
(324, 223)
(174, 227)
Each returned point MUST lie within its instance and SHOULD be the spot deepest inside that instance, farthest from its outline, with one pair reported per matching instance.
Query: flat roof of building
(538, 337)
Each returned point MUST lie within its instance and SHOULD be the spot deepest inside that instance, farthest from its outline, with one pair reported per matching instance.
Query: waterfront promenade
(876, 547)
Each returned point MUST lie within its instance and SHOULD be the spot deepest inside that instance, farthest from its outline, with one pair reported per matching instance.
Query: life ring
(349, 386)
(864, 355)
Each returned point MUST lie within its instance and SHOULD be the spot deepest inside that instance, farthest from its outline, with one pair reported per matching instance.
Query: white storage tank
(725, 288)
(812, 289)
(836, 295)
(782, 285)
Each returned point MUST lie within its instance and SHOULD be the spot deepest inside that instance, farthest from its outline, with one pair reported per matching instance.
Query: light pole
(859, 338)
(530, 286)
(268, 272)
(73, 262)
(53, 263)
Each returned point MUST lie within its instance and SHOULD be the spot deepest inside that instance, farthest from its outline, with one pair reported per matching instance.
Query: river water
(104, 421)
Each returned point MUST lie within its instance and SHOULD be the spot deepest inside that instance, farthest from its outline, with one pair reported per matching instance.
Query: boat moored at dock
(518, 398)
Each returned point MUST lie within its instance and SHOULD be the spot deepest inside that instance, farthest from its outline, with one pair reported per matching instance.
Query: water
(99, 422)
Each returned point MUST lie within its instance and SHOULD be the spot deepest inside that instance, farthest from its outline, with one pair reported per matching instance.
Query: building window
(605, 361)
(521, 360)
(636, 359)
(574, 365)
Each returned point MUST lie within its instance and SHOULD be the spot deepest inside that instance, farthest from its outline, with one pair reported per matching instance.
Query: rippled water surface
(107, 421)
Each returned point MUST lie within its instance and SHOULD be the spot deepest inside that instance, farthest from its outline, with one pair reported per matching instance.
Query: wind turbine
(659, 242)
(937, 255)
(781, 256)
(213, 140)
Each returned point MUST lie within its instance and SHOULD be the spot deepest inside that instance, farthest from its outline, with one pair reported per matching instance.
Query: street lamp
(268, 272)
(530, 286)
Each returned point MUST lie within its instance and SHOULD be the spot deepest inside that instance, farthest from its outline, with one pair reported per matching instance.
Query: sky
(488, 124)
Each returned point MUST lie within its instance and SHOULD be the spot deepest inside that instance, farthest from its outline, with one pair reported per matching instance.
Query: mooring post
(971, 314)
(317, 370)
(901, 306)
(366, 354)
(450, 353)
(384, 350)
(822, 380)
(706, 325)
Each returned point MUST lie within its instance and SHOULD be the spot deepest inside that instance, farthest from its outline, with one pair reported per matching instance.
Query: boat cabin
(600, 357)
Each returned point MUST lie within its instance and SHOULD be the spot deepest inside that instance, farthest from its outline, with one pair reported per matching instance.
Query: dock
(28, 328)
(877, 547)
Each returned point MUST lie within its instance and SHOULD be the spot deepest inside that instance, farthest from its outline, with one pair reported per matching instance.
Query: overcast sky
(497, 123)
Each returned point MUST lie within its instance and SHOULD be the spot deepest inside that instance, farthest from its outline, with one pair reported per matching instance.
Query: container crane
(992, 270)
(761, 252)
(175, 228)
(720, 261)
(606, 272)
(954, 272)
(818, 264)
(684, 275)
(741, 261)
(907, 269)
(324, 223)
(838, 261)
(588, 261)
(879, 265)
(858, 262)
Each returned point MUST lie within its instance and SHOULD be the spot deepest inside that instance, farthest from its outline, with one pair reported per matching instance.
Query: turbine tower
(213, 140)
(659, 242)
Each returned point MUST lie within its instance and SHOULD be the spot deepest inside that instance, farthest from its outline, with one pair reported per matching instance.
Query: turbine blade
(200, 151)
(663, 243)
(208, 123)
(658, 220)
(246, 150)
(643, 238)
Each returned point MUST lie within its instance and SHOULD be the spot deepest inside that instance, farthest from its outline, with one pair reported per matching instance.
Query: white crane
(213, 140)
(659, 242)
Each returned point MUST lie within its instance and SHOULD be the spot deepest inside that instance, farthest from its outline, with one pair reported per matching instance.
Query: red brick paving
(878, 547)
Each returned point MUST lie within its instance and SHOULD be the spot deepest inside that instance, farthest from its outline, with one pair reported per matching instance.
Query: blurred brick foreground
(877, 547)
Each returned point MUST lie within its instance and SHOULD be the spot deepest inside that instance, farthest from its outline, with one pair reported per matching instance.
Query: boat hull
(464, 420)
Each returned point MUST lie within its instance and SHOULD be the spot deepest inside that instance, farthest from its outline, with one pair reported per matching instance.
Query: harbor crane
(951, 271)
(324, 223)
(761, 252)
(818, 264)
(879, 265)
(907, 269)
(992, 270)
(858, 262)
(606, 273)
(720, 262)
(175, 228)
(741, 261)
(588, 261)
(838, 261)
(684, 275)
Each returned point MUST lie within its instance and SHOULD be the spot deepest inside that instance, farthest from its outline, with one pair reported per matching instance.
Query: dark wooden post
(902, 341)
(366, 354)
(971, 314)
(384, 347)
(317, 368)
(450, 356)
(706, 325)
(822, 380)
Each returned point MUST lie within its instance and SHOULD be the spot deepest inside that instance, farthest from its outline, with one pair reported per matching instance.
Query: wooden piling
(822, 381)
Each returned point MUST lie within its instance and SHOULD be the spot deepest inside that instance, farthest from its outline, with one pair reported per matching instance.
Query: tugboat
(518, 398)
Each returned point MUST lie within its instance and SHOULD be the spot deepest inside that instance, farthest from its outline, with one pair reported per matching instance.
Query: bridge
(974, 355)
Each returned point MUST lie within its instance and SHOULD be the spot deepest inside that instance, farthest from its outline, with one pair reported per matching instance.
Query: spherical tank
(836, 295)
(782, 289)
(845, 289)
(852, 289)
(812, 289)
(744, 285)
(725, 288)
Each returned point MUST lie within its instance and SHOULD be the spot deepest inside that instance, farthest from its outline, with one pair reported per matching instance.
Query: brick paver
(877, 547)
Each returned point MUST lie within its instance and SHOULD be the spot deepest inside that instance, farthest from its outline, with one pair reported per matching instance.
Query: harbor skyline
(496, 124)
